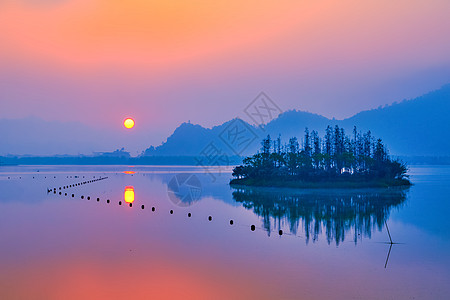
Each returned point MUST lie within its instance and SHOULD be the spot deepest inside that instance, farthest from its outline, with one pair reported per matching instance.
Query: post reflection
(128, 195)
(334, 214)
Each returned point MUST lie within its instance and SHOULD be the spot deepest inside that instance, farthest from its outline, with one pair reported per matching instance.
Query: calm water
(283, 244)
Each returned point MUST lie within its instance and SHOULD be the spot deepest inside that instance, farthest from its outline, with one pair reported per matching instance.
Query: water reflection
(184, 189)
(334, 213)
(128, 195)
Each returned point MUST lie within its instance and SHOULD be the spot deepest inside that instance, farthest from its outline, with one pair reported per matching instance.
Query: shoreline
(248, 182)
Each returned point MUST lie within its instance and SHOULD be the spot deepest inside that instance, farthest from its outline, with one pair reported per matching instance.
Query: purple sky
(96, 64)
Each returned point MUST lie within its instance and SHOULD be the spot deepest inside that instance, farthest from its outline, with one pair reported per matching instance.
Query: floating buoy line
(153, 208)
(61, 189)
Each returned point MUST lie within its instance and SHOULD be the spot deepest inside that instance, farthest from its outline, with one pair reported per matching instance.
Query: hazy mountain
(293, 122)
(35, 136)
(412, 127)
(195, 140)
(190, 139)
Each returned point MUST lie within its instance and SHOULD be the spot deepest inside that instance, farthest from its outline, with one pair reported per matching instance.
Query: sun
(128, 123)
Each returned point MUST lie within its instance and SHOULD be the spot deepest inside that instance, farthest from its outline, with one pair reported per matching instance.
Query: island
(334, 161)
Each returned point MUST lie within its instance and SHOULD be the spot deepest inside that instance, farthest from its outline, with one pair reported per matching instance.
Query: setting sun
(128, 123)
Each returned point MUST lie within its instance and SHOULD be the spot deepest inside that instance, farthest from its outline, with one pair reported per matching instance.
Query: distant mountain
(292, 123)
(190, 139)
(416, 127)
(195, 140)
(38, 137)
(35, 136)
(413, 127)
(187, 139)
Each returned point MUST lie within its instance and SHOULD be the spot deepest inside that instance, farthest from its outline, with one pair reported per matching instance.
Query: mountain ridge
(414, 127)
(409, 128)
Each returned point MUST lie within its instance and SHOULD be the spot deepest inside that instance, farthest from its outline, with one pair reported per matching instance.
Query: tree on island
(334, 160)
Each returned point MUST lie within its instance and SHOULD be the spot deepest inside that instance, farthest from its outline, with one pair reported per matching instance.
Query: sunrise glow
(280, 149)
(128, 123)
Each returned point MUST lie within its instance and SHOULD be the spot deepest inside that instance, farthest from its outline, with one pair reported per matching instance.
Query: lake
(181, 232)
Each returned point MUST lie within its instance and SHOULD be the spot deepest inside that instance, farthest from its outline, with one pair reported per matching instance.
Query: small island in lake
(334, 161)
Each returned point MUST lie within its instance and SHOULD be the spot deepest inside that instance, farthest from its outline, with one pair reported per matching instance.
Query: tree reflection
(336, 213)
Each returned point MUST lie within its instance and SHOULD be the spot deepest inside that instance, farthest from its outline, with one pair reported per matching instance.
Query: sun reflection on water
(128, 195)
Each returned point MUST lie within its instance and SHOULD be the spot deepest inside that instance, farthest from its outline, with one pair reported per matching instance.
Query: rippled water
(69, 232)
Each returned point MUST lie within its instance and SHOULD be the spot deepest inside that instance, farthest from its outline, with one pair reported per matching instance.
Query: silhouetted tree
(360, 157)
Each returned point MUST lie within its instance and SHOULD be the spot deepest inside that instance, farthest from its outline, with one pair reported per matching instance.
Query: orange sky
(138, 32)
(171, 61)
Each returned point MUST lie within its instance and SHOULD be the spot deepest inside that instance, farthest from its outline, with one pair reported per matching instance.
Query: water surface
(282, 243)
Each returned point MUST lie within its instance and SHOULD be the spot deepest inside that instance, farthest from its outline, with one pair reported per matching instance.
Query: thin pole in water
(387, 228)
(387, 258)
